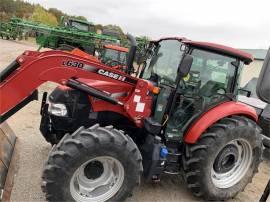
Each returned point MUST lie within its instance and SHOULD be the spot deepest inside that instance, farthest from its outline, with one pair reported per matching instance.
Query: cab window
(211, 74)
(163, 65)
(209, 81)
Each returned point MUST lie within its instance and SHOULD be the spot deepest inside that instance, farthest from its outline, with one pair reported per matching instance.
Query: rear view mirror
(263, 85)
(185, 65)
(244, 92)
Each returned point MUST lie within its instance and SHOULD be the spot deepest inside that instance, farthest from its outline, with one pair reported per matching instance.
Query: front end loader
(180, 117)
(8, 157)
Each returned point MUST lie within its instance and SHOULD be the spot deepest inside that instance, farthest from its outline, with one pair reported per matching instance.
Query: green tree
(57, 13)
(116, 31)
(79, 17)
(7, 9)
(43, 16)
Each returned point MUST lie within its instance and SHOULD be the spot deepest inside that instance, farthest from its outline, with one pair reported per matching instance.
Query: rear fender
(215, 114)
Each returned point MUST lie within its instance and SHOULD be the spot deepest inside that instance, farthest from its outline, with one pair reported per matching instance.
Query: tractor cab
(211, 79)
(77, 24)
(114, 56)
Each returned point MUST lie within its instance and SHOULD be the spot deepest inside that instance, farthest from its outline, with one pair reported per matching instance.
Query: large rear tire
(224, 160)
(95, 164)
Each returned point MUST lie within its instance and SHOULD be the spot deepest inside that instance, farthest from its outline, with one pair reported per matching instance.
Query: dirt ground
(34, 150)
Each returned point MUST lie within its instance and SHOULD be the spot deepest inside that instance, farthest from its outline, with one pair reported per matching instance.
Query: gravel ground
(34, 150)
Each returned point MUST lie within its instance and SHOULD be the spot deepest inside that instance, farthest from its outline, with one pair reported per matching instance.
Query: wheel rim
(232, 163)
(98, 180)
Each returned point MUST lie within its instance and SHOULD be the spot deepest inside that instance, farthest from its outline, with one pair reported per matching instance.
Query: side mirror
(244, 92)
(185, 65)
(263, 85)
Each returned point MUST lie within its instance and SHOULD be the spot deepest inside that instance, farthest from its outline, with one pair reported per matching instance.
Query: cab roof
(169, 38)
(226, 50)
(117, 48)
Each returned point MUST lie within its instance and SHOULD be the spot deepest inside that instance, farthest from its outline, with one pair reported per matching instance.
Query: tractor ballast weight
(148, 123)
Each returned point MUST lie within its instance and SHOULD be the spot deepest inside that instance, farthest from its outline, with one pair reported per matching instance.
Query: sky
(237, 23)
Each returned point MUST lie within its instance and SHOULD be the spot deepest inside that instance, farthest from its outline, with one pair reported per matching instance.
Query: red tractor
(114, 56)
(111, 55)
(180, 116)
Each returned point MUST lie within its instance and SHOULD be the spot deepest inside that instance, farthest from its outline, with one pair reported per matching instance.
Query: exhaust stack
(132, 53)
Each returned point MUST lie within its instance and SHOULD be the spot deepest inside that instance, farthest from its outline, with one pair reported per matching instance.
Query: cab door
(263, 85)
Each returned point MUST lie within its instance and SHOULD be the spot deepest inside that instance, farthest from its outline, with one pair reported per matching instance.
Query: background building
(254, 68)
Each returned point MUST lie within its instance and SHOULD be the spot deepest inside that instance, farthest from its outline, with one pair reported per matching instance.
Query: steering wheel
(180, 116)
(112, 63)
(168, 80)
(216, 93)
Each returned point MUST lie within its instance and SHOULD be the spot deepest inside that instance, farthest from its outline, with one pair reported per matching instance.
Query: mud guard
(213, 115)
(7, 160)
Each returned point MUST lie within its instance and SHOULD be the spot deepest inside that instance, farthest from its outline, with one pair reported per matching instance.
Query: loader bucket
(7, 160)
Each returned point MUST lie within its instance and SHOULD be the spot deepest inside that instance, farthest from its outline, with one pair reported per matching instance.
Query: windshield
(164, 61)
(80, 26)
(213, 71)
(115, 55)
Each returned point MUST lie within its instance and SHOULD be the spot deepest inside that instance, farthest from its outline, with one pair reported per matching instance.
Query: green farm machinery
(8, 31)
(69, 34)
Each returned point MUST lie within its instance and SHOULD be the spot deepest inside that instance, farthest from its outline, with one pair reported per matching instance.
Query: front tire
(95, 164)
(224, 160)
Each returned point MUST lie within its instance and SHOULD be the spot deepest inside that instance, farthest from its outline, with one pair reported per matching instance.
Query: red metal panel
(215, 114)
(246, 57)
(117, 48)
(37, 68)
(57, 66)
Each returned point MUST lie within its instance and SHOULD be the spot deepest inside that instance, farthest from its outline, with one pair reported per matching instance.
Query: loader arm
(20, 80)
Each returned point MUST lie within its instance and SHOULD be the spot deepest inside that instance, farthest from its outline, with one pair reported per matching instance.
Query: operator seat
(208, 90)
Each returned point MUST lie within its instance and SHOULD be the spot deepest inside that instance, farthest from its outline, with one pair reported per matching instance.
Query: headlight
(57, 109)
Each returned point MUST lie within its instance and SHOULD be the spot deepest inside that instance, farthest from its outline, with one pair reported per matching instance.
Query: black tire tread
(70, 145)
(194, 154)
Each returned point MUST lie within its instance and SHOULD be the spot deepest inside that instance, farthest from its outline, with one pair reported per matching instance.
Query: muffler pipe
(132, 52)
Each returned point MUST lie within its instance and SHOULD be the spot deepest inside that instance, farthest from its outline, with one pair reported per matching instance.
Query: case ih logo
(111, 75)
(73, 64)
(96, 70)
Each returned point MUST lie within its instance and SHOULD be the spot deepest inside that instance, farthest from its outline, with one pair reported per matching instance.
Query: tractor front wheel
(224, 160)
(92, 165)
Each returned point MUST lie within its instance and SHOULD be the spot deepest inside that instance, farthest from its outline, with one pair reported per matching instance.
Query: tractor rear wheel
(96, 164)
(224, 160)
